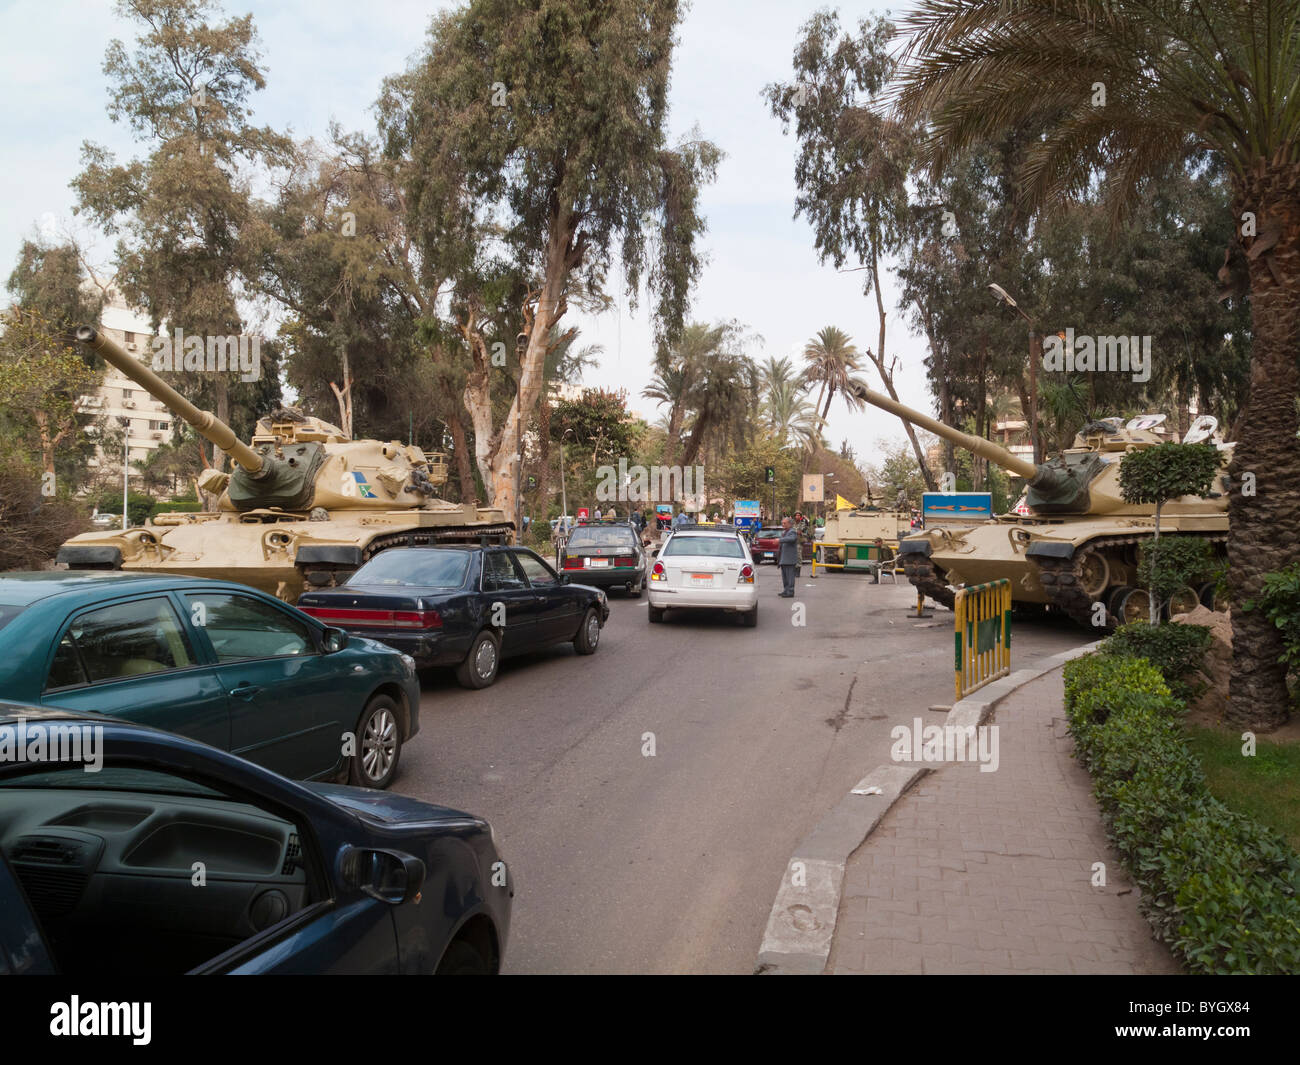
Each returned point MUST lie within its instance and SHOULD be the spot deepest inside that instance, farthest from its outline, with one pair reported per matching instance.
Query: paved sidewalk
(976, 872)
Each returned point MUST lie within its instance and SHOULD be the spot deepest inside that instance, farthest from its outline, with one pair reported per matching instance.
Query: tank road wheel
(1184, 601)
(1211, 597)
(1116, 596)
(1093, 575)
(1135, 606)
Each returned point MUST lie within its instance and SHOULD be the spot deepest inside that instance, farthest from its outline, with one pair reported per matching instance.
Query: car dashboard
(131, 881)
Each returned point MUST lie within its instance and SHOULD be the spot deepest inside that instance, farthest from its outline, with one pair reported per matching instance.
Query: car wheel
(750, 618)
(379, 744)
(588, 638)
(636, 588)
(656, 614)
(462, 959)
(480, 666)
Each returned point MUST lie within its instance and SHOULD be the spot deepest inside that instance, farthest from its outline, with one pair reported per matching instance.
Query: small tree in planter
(1159, 474)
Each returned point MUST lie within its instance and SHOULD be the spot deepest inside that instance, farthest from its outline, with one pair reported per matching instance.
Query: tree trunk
(544, 455)
(464, 469)
(882, 366)
(498, 452)
(344, 394)
(1265, 527)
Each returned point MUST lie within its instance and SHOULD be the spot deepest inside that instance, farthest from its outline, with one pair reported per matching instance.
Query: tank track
(1060, 577)
(447, 534)
(921, 572)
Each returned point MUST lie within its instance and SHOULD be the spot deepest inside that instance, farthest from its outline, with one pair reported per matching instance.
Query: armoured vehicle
(304, 505)
(858, 529)
(1077, 545)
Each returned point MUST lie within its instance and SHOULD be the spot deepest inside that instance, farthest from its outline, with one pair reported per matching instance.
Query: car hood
(385, 806)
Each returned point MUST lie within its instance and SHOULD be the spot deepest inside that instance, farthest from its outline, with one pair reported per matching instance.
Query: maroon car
(766, 545)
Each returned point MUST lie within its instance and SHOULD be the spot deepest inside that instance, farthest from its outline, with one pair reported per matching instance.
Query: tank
(859, 528)
(1073, 544)
(304, 503)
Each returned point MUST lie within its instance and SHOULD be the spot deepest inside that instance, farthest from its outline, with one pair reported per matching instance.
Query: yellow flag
(841, 503)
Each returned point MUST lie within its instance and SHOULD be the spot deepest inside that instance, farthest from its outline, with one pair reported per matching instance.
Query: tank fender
(914, 547)
(1050, 549)
(96, 555)
(332, 554)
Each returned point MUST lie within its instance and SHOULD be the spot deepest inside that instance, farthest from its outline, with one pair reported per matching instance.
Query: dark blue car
(128, 851)
(462, 606)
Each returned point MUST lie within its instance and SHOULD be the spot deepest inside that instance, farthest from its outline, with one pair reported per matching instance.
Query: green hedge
(1175, 650)
(1220, 889)
(181, 506)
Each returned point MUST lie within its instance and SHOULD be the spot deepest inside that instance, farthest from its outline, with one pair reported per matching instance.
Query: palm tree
(832, 360)
(790, 417)
(678, 374)
(1126, 89)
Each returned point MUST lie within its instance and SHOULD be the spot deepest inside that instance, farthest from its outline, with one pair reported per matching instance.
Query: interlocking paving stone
(991, 873)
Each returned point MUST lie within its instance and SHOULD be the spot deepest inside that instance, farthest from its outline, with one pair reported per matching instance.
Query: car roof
(725, 531)
(12, 713)
(24, 589)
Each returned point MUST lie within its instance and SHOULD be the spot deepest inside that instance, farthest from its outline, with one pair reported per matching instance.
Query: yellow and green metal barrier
(983, 634)
(856, 556)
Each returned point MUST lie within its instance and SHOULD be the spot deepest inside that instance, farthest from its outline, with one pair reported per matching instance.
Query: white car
(704, 568)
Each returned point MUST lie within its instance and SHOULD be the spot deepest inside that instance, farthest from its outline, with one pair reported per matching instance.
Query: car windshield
(587, 536)
(706, 546)
(111, 778)
(769, 531)
(8, 613)
(421, 568)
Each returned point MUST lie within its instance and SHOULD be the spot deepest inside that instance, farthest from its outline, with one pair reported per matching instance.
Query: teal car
(215, 661)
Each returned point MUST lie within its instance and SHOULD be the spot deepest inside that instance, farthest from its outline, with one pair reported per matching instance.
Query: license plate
(597, 562)
(702, 578)
(767, 554)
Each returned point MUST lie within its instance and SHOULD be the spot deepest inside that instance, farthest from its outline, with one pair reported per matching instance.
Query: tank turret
(331, 502)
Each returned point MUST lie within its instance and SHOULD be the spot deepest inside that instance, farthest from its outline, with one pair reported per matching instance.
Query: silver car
(703, 567)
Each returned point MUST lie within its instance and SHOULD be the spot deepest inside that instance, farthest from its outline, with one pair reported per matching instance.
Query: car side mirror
(389, 876)
(564, 578)
(334, 640)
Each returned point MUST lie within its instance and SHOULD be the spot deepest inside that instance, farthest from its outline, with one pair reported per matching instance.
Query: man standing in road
(788, 558)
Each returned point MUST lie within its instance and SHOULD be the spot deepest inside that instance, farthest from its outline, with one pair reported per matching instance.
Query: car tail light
(624, 560)
(658, 573)
(573, 562)
(746, 574)
(388, 619)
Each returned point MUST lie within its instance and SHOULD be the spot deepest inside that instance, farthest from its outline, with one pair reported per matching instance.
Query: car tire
(379, 744)
(655, 614)
(750, 618)
(635, 593)
(461, 959)
(479, 669)
(588, 638)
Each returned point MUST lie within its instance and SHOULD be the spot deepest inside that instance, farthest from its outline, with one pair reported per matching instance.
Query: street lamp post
(1035, 355)
(126, 466)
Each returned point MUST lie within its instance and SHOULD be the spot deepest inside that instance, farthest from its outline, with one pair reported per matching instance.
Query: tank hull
(281, 556)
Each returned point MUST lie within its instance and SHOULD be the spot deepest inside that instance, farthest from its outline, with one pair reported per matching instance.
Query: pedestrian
(598, 513)
(788, 558)
(611, 514)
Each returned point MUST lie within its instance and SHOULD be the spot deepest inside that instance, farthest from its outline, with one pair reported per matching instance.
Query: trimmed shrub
(1174, 650)
(1219, 888)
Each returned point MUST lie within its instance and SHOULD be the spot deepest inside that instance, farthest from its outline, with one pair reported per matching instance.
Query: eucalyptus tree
(180, 211)
(855, 160)
(1124, 89)
(534, 136)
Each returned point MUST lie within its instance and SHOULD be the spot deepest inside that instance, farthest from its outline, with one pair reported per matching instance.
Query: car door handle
(245, 691)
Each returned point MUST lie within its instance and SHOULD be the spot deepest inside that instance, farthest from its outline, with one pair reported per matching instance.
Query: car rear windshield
(585, 536)
(707, 546)
(8, 613)
(419, 568)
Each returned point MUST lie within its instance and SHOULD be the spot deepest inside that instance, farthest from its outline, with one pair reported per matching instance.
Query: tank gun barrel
(205, 424)
(985, 448)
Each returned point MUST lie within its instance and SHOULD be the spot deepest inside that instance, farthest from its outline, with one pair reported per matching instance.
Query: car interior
(122, 640)
(138, 872)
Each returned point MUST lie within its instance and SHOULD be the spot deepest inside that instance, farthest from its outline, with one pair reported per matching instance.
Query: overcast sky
(325, 60)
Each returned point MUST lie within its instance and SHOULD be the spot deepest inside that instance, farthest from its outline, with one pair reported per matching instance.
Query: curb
(801, 926)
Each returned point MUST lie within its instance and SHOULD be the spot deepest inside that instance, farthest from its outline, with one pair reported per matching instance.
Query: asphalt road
(629, 863)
